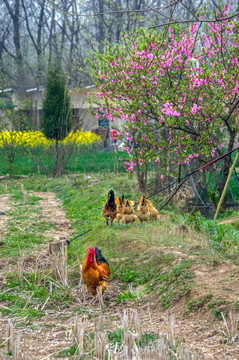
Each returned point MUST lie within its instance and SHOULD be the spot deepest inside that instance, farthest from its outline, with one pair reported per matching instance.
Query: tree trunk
(157, 181)
(101, 26)
(39, 45)
(58, 170)
(142, 173)
(14, 12)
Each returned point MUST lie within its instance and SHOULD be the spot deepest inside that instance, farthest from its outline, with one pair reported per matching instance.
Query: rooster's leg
(100, 295)
(107, 222)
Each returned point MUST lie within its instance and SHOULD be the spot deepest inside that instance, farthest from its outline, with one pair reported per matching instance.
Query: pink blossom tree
(177, 95)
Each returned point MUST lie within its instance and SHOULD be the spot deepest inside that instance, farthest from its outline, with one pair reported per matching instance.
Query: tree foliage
(178, 94)
(56, 111)
(56, 117)
(35, 33)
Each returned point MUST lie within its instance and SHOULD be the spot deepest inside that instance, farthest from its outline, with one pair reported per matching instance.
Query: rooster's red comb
(91, 250)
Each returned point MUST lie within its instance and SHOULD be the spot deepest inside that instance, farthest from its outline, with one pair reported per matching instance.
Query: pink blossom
(169, 110)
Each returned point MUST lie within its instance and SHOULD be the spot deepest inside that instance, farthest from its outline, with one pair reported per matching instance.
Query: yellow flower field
(35, 138)
(81, 138)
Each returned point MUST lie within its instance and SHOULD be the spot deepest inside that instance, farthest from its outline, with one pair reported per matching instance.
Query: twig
(43, 307)
(28, 300)
(193, 21)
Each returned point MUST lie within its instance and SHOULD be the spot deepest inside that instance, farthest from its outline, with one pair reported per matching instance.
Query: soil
(200, 330)
(230, 220)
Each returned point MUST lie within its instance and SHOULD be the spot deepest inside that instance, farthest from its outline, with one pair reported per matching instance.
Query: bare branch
(189, 10)
(200, 20)
(111, 12)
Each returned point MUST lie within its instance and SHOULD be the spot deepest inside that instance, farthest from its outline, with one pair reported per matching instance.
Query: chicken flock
(95, 268)
(123, 209)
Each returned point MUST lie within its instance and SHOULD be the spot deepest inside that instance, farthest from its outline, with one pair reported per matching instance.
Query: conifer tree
(56, 117)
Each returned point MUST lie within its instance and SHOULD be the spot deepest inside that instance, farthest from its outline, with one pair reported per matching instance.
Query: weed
(175, 283)
(237, 305)
(144, 340)
(236, 225)
(127, 296)
(216, 308)
(49, 326)
(195, 305)
(175, 218)
(66, 352)
(218, 312)
(116, 336)
(221, 237)
(147, 339)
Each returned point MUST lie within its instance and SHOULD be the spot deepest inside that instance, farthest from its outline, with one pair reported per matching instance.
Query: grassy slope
(158, 258)
(143, 261)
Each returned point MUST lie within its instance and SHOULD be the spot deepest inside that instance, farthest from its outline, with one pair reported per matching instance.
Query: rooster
(109, 208)
(128, 214)
(95, 271)
(143, 210)
(154, 214)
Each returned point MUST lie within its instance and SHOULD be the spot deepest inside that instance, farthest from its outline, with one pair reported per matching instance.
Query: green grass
(128, 297)
(222, 237)
(116, 336)
(41, 162)
(175, 283)
(145, 339)
(25, 230)
(22, 295)
(232, 191)
(67, 352)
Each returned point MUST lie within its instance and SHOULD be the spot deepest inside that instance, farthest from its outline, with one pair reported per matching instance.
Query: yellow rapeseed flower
(81, 138)
(35, 138)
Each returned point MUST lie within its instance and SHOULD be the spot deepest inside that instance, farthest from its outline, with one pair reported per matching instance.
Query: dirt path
(45, 337)
(230, 220)
(50, 334)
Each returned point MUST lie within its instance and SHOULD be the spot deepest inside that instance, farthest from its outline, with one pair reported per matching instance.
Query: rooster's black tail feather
(99, 257)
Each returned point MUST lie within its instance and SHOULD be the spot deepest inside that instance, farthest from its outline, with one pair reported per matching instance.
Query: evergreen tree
(56, 117)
